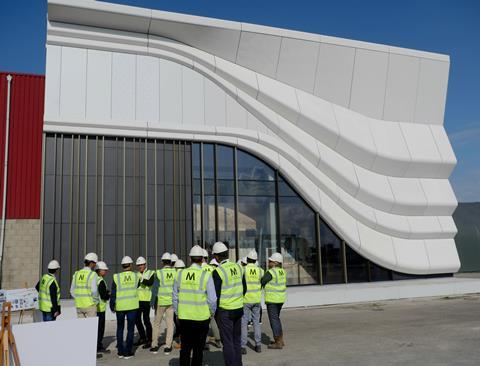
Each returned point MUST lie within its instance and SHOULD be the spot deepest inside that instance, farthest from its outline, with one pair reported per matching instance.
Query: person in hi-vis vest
(104, 295)
(49, 293)
(84, 288)
(146, 278)
(163, 304)
(230, 287)
(215, 338)
(194, 301)
(124, 302)
(275, 283)
(252, 301)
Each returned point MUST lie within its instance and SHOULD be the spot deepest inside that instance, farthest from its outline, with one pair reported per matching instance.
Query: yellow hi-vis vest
(231, 295)
(44, 300)
(127, 291)
(102, 304)
(192, 294)
(82, 288)
(253, 276)
(166, 278)
(145, 292)
(276, 289)
(208, 268)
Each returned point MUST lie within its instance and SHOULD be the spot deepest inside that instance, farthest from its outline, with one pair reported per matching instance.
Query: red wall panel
(25, 144)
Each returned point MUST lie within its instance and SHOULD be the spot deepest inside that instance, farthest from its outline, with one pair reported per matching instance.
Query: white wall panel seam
(278, 59)
(316, 70)
(86, 82)
(60, 82)
(351, 80)
(111, 85)
(386, 85)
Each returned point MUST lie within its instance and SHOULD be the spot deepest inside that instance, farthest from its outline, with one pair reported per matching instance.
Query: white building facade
(164, 130)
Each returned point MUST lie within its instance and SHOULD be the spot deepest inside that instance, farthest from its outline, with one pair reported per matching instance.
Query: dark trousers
(144, 312)
(101, 329)
(193, 335)
(230, 326)
(273, 311)
(48, 317)
(131, 316)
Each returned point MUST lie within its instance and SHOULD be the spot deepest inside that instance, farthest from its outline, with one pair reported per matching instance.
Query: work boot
(244, 351)
(281, 340)
(258, 348)
(276, 344)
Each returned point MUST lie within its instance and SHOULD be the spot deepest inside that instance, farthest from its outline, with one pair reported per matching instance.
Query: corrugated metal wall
(25, 147)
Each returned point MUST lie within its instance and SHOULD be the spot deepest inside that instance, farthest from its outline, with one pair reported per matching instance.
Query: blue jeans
(273, 311)
(254, 310)
(131, 316)
(48, 317)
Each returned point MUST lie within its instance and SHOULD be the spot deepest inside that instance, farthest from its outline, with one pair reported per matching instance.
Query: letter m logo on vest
(170, 276)
(127, 278)
(190, 277)
(233, 271)
(81, 277)
(280, 271)
(253, 272)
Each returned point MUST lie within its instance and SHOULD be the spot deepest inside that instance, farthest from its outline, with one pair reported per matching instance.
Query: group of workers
(220, 296)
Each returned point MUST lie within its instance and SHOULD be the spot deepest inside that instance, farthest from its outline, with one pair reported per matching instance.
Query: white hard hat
(179, 264)
(173, 257)
(252, 255)
(205, 253)
(140, 260)
(127, 260)
(102, 265)
(53, 264)
(166, 256)
(219, 247)
(276, 257)
(92, 257)
(214, 262)
(196, 251)
(244, 260)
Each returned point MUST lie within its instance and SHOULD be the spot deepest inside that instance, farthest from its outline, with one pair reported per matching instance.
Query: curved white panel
(381, 185)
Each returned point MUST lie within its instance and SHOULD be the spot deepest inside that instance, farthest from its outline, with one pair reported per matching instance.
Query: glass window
(357, 266)
(226, 220)
(209, 220)
(257, 227)
(208, 161)
(332, 256)
(298, 244)
(251, 168)
(196, 160)
(224, 162)
(378, 273)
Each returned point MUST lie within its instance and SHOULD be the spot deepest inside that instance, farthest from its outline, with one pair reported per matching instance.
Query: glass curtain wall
(242, 201)
(115, 196)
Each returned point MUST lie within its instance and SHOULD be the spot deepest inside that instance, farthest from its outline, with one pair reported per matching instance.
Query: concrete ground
(428, 331)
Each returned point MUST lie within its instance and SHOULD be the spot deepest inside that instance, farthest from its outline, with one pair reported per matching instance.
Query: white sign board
(21, 299)
(69, 342)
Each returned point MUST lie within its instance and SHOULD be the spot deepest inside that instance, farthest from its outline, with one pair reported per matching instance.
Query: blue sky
(449, 27)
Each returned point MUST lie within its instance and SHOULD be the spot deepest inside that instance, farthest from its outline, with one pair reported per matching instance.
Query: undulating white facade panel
(355, 127)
